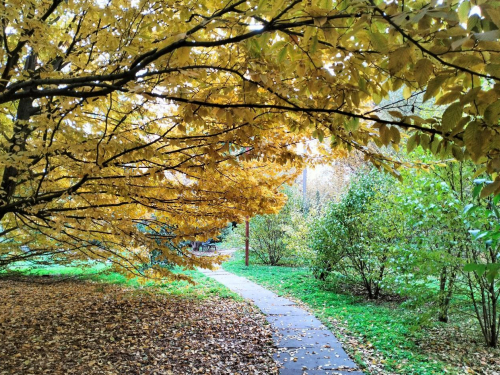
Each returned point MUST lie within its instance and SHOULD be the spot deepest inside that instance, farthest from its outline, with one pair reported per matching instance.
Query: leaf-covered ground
(75, 327)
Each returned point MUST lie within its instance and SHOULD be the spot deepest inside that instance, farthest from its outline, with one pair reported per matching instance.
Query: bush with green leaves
(454, 245)
(416, 239)
(483, 262)
(277, 239)
(430, 263)
(282, 238)
(296, 230)
(267, 238)
(357, 236)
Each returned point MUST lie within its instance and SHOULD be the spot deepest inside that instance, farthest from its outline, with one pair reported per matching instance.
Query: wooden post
(247, 234)
(304, 188)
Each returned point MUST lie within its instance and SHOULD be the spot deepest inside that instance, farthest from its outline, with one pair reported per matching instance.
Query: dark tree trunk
(196, 245)
(21, 132)
(444, 296)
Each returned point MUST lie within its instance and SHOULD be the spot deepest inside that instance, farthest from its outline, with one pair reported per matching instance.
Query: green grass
(204, 286)
(390, 330)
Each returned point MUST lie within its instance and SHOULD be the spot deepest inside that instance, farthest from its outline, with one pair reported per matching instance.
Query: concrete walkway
(305, 345)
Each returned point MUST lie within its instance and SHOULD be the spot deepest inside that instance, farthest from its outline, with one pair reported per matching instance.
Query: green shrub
(358, 236)
(278, 239)
(267, 238)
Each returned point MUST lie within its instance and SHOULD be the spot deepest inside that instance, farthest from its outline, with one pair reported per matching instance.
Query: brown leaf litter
(87, 328)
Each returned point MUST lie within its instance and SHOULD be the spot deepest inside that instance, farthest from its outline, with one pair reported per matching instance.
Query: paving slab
(287, 310)
(317, 334)
(305, 339)
(314, 359)
(268, 302)
(295, 321)
(305, 346)
(283, 310)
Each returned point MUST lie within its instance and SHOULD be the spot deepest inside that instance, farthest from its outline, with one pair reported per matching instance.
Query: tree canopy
(120, 118)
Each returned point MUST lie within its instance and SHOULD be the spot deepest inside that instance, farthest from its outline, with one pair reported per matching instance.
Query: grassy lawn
(381, 337)
(204, 287)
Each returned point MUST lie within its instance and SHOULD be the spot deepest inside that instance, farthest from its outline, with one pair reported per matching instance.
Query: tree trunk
(377, 291)
(446, 285)
(21, 132)
(369, 289)
(493, 339)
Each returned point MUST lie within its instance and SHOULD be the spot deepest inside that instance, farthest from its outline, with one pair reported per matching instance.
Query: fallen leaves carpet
(87, 328)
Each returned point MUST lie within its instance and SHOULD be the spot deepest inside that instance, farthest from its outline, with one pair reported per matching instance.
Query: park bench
(208, 245)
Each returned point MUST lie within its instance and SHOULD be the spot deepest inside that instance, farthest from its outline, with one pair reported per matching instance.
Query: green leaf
(254, 47)
(495, 210)
(477, 190)
(496, 199)
(307, 35)
(469, 208)
(434, 86)
(457, 152)
(470, 96)
(423, 71)
(473, 140)
(412, 143)
(314, 44)
(396, 137)
(468, 61)
(398, 59)
(352, 124)
(494, 14)
(492, 113)
(473, 22)
(493, 70)
(277, 5)
(470, 267)
(379, 41)
(434, 146)
(425, 141)
(448, 98)
(480, 269)
(492, 273)
(451, 117)
(320, 21)
(396, 114)
(282, 54)
(385, 135)
(331, 34)
(463, 11)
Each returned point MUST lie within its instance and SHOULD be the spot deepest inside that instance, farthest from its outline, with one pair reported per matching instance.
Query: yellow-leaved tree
(127, 126)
